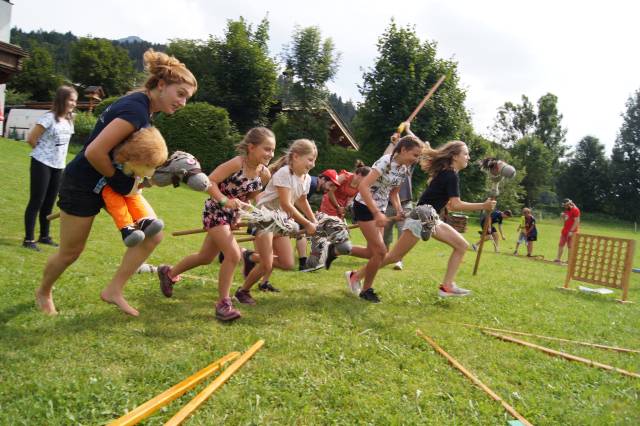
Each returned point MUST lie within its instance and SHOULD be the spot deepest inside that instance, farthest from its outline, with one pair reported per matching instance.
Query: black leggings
(45, 183)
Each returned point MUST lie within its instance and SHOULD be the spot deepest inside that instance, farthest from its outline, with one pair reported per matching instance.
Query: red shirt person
(571, 216)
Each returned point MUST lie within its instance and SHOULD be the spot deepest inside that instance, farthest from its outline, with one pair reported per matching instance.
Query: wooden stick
(473, 378)
(201, 230)
(485, 229)
(188, 409)
(53, 216)
(148, 408)
(558, 339)
(422, 102)
(563, 354)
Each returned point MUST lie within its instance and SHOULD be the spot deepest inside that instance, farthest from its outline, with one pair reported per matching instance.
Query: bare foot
(120, 302)
(44, 302)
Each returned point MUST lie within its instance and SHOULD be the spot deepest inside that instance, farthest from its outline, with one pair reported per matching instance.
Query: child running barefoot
(232, 183)
(379, 187)
(442, 165)
(287, 191)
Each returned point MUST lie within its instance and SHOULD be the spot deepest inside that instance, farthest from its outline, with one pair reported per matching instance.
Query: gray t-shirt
(391, 175)
(51, 148)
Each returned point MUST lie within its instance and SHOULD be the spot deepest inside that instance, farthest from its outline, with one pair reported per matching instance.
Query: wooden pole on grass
(188, 409)
(473, 378)
(557, 339)
(565, 355)
(148, 408)
(485, 229)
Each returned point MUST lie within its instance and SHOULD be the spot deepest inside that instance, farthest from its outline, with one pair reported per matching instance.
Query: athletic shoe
(225, 310)
(131, 236)
(48, 241)
(302, 263)
(31, 245)
(166, 282)
(266, 286)
(398, 266)
(150, 226)
(370, 296)
(248, 263)
(353, 284)
(331, 256)
(244, 296)
(454, 291)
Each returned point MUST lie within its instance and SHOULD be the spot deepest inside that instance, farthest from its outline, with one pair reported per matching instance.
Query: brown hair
(59, 106)
(436, 160)
(161, 66)
(298, 147)
(361, 169)
(146, 146)
(255, 137)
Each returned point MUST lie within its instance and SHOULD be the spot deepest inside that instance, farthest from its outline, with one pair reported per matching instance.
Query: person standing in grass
(522, 235)
(50, 142)
(376, 190)
(233, 183)
(530, 229)
(496, 218)
(571, 217)
(442, 165)
(287, 191)
(168, 87)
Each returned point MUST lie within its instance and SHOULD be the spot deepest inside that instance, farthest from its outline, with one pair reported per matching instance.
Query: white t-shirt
(298, 186)
(52, 146)
(391, 175)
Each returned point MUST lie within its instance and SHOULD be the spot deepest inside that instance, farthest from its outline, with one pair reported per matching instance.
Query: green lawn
(329, 357)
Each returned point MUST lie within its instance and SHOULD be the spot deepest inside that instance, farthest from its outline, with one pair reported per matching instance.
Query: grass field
(329, 357)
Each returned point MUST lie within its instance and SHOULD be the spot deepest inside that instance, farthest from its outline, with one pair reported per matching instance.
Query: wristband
(223, 201)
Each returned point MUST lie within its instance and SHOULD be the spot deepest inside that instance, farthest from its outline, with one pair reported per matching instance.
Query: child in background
(287, 191)
(232, 183)
(522, 235)
(137, 157)
(531, 230)
(336, 200)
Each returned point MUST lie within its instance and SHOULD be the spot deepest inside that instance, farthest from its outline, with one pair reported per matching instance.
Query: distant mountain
(130, 39)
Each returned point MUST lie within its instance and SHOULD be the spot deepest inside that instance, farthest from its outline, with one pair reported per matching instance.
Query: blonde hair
(526, 210)
(297, 147)
(434, 161)
(255, 136)
(161, 66)
(146, 146)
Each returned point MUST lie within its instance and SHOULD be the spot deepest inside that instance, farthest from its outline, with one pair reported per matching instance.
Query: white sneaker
(398, 266)
(354, 285)
(454, 291)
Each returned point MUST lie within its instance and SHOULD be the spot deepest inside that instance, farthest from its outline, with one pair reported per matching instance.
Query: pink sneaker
(244, 296)
(166, 282)
(225, 310)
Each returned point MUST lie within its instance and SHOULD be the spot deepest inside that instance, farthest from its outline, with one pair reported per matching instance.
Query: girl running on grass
(168, 87)
(287, 191)
(442, 165)
(379, 187)
(232, 183)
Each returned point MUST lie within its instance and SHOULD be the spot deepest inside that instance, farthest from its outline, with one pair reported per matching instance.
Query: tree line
(287, 91)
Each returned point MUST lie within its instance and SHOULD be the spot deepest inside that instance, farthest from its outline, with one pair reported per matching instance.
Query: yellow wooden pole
(148, 408)
(563, 354)
(53, 216)
(188, 409)
(473, 378)
(558, 339)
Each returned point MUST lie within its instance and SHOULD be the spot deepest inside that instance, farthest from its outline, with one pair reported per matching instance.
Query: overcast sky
(585, 52)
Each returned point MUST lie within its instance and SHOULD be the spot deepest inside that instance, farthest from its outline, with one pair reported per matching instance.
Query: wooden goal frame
(599, 260)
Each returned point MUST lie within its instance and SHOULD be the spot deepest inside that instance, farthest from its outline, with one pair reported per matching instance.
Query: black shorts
(361, 212)
(77, 200)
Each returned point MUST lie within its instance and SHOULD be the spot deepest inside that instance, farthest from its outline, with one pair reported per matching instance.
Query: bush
(202, 130)
(99, 109)
(13, 97)
(83, 124)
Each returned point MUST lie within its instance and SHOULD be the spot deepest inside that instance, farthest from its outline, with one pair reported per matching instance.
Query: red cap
(332, 175)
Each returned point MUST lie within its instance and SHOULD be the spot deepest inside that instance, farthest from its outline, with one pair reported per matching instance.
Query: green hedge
(202, 130)
(104, 104)
(83, 124)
